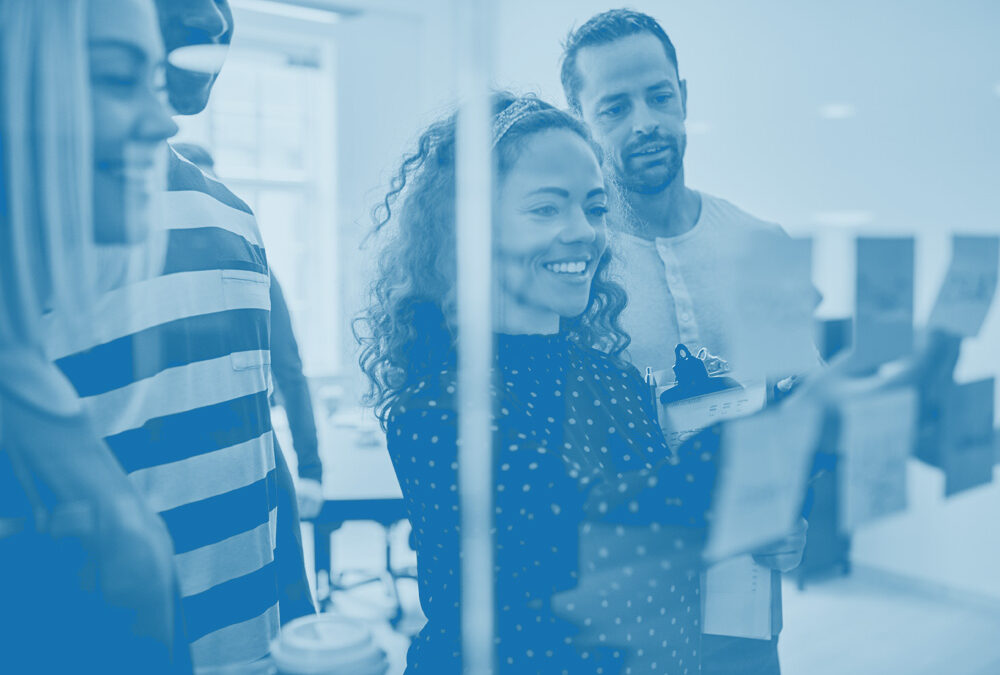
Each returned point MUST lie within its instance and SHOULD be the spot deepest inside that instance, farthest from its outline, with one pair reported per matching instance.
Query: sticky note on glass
(968, 436)
(935, 379)
(876, 438)
(969, 286)
(762, 478)
(773, 304)
(883, 326)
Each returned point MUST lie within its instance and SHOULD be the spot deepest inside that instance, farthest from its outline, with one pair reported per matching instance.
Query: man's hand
(310, 498)
(786, 554)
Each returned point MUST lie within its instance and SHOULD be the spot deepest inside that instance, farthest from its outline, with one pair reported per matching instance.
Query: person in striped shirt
(291, 384)
(179, 388)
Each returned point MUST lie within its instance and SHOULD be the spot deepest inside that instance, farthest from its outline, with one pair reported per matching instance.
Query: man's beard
(632, 177)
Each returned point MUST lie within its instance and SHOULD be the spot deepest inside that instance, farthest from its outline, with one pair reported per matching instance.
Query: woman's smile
(574, 269)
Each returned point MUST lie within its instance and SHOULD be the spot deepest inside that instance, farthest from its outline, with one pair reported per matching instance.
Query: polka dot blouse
(598, 527)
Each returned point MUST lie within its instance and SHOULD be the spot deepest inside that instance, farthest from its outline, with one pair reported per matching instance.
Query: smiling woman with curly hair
(411, 319)
(575, 439)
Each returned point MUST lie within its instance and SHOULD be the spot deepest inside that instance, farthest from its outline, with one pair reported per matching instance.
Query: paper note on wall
(968, 436)
(883, 326)
(762, 478)
(969, 286)
(736, 599)
(773, 304)
(876, 438)
(934, 383)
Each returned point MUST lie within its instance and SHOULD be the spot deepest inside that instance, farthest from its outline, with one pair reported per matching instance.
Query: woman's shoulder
(421, 429)
(434, 391)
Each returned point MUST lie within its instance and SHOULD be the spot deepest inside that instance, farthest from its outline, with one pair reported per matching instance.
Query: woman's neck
(513, 318)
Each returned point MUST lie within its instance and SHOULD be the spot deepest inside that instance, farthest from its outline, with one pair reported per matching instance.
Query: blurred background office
(834, 120)
(831, 119)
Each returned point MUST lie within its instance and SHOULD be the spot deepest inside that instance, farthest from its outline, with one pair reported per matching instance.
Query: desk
(359, 483)
(335, 512)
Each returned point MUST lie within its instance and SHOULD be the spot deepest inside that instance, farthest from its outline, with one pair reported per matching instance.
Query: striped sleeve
(176, 376)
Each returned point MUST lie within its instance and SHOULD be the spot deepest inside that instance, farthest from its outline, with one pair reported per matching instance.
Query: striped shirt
(176, 377)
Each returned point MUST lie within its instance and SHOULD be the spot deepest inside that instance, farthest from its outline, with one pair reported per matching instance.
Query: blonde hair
(46, 229)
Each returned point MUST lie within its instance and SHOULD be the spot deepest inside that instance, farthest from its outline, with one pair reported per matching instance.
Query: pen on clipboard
(651, 383)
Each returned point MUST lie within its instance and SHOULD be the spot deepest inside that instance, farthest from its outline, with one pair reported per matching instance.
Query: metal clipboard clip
(692, 378)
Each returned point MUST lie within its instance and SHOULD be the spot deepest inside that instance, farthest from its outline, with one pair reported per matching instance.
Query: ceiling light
(837, 111)
(289, 9)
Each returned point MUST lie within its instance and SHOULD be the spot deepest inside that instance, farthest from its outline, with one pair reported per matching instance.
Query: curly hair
(408, 331)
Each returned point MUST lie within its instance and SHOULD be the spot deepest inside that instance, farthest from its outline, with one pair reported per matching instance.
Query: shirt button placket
(687, 327)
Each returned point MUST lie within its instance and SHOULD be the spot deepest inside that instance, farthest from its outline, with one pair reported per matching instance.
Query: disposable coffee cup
(327, 644)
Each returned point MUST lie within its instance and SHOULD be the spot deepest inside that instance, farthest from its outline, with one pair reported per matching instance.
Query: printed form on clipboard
(735, 593)
(698, 400)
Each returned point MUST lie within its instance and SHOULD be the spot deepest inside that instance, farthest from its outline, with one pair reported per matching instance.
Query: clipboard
(736, 593)
(692, 379)
(698, 400)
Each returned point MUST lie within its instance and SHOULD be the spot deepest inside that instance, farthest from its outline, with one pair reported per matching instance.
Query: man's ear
(684, 97)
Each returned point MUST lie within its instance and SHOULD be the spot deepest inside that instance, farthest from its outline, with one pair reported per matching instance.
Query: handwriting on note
(968, 436)
(876, 438)
(969, 286)
(762, 478)
(883, 329)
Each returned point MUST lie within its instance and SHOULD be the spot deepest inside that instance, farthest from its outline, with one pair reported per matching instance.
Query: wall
(394, 75)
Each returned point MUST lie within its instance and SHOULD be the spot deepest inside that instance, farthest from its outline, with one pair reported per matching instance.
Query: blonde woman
(83, 121)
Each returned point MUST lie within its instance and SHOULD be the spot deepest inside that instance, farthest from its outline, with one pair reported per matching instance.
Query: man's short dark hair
(602, 29)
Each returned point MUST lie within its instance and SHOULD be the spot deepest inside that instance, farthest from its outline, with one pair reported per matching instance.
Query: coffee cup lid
(327, 644)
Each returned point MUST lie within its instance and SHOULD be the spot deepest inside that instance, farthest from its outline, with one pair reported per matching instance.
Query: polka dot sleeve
(671, 489)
